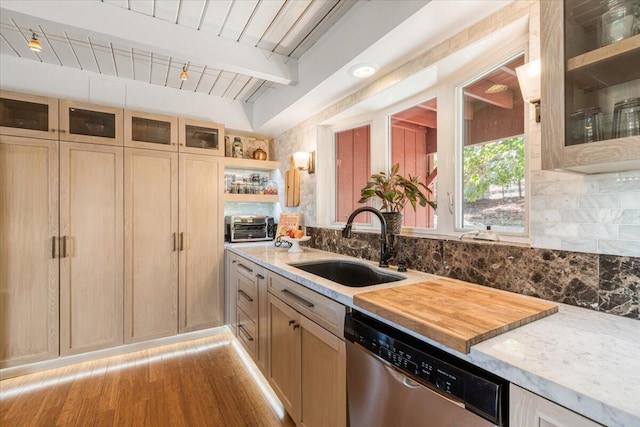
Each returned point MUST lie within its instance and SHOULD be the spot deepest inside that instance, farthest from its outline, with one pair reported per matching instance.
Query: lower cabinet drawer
(247, 332)
(324, 311)
(247, 297)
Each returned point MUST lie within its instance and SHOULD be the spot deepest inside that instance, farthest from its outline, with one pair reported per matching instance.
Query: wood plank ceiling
(285, 27)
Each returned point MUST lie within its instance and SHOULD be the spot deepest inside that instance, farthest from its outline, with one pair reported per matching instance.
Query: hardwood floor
(198, 383)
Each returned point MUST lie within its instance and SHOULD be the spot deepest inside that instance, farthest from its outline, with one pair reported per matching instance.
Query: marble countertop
(584, 360)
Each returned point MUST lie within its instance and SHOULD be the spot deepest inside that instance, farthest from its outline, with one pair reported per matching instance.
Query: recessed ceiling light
(497, 88)
(363, 70)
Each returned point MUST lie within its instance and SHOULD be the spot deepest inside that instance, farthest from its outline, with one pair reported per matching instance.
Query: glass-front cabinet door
(151, 131)
(80, 122)
(591, 53)
(200, 137)
(28, 115)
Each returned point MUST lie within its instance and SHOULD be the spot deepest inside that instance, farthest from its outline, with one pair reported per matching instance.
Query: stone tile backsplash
(606, 283)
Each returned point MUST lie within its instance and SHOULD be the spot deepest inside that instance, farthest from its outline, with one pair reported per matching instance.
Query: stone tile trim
(605, 283)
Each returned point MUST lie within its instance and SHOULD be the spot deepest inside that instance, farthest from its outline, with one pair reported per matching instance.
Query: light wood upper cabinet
(95, 124)
(200, 137)
(91, 267)
(151, 244)
(28, 251)
(152, 131)
(583, 79)
(28, 115)
(200, 243)
(530, 410)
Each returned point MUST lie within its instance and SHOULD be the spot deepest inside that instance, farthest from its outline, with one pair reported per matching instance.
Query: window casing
(352, 171)
(448, 91)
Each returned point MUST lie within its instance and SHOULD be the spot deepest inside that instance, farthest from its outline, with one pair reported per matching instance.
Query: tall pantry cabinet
(29, 267)
(108, 233)
(61, 212)
(172, 227)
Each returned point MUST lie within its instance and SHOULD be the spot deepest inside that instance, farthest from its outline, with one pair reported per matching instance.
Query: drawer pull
(245, 296)
(297, 298)
(245, 333)
(245, 268)
(260, 276)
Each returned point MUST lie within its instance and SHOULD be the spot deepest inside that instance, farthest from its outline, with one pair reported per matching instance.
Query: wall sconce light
(184, 76)
(529, 80)
(34, 44)
(305, 161)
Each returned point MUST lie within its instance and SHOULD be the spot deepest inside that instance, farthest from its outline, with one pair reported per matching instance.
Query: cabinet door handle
(64, 247)
(245, 333)
(234, 261)
(181, 241)
(245, 268)
(297, 298)
(244, 295)
(260, 276)
(296, 326)
(53, 247)
(173, 242)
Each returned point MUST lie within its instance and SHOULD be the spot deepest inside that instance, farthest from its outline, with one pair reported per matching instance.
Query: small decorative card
(288, 221)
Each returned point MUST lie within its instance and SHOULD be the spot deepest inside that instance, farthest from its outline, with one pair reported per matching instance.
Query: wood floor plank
(199, 383)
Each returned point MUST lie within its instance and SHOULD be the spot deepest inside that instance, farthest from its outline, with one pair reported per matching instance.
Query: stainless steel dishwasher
(394, 379)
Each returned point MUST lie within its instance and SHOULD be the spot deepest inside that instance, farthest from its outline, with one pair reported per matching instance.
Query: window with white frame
(352, 171)
(491, 144)
(414, 146)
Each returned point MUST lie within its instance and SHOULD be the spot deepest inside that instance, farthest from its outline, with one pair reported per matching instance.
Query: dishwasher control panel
(479, 390)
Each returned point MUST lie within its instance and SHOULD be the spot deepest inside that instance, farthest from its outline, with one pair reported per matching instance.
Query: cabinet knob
(291, 322)
(296, 326)
(53, 130)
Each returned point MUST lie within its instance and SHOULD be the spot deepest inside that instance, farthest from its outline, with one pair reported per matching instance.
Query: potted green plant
(394, 191)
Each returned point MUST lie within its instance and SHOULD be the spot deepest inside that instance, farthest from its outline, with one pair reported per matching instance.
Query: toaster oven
(248, 228)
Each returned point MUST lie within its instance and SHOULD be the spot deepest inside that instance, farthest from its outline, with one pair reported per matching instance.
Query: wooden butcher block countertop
(454, 313)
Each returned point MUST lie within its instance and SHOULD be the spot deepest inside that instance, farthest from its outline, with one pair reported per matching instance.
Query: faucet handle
(402, 266)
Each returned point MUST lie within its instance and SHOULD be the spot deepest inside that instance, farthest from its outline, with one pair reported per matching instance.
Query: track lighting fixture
(184, 75)
(34, 44)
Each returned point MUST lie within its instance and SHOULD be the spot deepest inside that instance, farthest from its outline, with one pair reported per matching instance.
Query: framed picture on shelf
(287, 222)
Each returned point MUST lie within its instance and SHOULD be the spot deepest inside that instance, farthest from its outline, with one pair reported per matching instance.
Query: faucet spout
(386, 251)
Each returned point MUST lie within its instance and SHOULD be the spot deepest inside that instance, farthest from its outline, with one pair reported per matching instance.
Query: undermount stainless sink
(348, 273)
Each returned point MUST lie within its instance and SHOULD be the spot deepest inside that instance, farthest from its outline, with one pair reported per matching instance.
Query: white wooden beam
(117, 25)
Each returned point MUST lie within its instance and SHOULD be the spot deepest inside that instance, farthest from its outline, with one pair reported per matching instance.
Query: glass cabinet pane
(92, 123)
(201, 137)
(602, 76)
(147, 130)
(24, 115)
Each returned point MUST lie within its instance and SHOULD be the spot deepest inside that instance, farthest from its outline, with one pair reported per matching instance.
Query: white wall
(23, 75)
(594, 214)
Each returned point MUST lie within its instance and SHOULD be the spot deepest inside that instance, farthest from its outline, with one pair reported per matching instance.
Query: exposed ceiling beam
(418, 116)
(144, 32)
